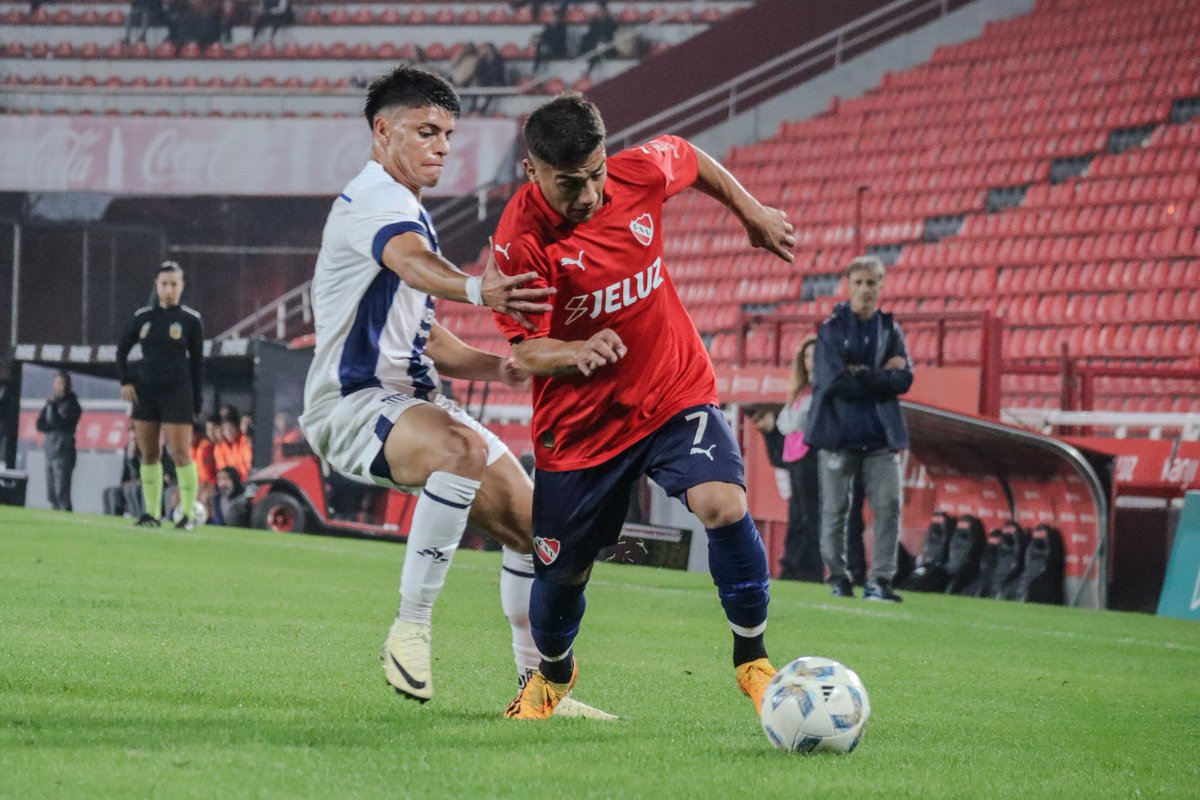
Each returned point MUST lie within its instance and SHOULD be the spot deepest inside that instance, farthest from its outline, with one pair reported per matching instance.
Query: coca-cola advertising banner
(189, 156)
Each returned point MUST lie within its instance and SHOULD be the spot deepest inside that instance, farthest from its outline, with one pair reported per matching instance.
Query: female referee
(165, 391)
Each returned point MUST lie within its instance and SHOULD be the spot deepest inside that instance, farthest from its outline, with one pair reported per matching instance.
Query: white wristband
(475, 290)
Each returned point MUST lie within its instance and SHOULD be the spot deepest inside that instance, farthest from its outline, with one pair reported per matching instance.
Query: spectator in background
(58, 420)
(490, 72)
(125, 499)
(552, 41)
(784, 433)
(194, 21)
(462, 66)
(246, 424)
(230, 505)
(862, 368)
(274, 14)
(600, 31)
(206, 465)
(142, 14)
(234, 449)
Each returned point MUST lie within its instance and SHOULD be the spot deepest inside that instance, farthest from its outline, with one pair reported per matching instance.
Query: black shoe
(881, 591)
(147, 521)
(842, 588)
(185, 524)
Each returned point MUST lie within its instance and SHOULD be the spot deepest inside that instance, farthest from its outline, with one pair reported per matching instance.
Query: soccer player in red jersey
(622, 383)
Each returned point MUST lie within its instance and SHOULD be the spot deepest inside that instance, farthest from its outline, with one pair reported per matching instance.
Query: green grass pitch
(227, 663)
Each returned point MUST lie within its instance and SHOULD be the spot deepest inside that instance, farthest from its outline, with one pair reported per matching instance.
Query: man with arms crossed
(623, 385)
(372, 407)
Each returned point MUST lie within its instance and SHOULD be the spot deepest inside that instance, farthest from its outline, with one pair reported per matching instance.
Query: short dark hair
(410, 87)
(169, 266)
(564, 131)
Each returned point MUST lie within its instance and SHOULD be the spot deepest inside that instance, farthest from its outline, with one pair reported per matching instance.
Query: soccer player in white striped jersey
(372, 408)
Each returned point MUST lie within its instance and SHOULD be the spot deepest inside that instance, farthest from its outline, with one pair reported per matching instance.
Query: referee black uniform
(170, 376)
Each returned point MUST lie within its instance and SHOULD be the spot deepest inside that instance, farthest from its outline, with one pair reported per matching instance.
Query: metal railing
(724, 102)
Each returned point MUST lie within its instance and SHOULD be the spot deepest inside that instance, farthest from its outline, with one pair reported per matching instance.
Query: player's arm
(455, 358)
(196, 362)
(410, 257)
(128, 338)
(767, 227)
(544, 356)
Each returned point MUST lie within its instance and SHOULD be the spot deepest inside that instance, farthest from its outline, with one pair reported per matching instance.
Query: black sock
(748, 648)
(559, 671)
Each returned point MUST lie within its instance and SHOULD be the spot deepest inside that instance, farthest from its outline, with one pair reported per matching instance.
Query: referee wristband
(475, 290)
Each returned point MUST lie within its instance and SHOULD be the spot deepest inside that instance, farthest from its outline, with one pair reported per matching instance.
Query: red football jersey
(609, 273)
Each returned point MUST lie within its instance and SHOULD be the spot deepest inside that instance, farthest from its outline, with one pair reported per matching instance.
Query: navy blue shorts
(579, 512)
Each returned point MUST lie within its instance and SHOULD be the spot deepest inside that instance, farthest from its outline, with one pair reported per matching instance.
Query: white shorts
(351, 434)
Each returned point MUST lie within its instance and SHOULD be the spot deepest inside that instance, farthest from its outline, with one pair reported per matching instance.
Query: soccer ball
(815, 704)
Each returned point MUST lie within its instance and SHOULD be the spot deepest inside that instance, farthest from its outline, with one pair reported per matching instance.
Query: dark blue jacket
(840, 396)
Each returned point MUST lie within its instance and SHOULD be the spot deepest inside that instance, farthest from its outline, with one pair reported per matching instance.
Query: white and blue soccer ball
(815, 704)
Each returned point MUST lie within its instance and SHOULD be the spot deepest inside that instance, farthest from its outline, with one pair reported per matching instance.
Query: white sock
(438, 523)
(516, 581)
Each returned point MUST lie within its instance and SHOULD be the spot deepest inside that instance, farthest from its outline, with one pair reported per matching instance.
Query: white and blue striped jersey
(371, 329)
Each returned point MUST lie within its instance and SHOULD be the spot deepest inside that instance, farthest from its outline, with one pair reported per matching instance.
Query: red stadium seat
(436, 51)
(362, 51)
(362, 17)
(311, 17)
(390, 16)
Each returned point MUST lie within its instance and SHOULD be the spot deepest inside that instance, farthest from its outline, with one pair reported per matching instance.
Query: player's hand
(503, 293)
(769, 229)
(512, 375)
(896, 362)
(128, 393)
(605, 347)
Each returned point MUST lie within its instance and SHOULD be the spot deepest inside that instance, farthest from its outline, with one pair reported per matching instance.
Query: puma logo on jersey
(707, 451)
(503, 250)
(617, 295)
(576, 261)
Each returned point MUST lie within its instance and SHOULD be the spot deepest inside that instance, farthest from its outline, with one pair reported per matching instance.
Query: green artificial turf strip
(233, 663)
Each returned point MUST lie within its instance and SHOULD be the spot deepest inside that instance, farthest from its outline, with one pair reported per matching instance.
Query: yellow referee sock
(189, 485)
(152, 480)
